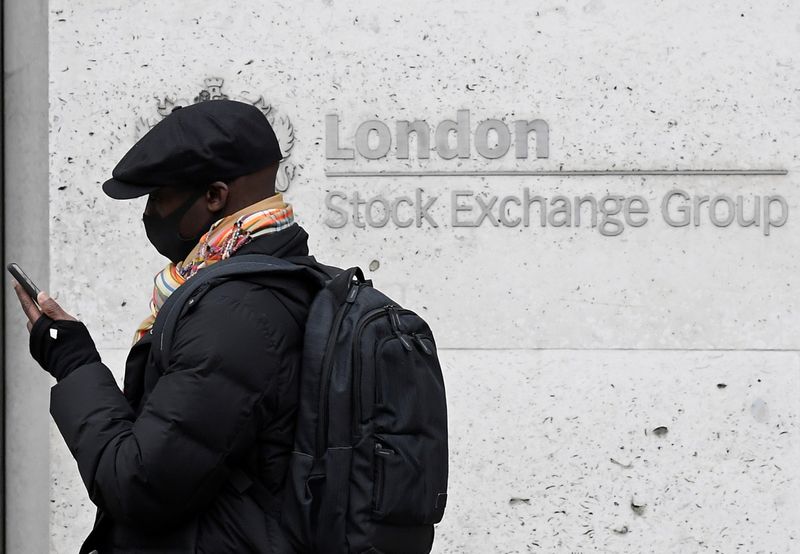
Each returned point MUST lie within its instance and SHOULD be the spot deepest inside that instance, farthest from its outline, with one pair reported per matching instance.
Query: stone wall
(625, 387)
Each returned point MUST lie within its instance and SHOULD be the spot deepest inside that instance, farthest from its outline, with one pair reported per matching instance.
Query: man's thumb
(50, 307)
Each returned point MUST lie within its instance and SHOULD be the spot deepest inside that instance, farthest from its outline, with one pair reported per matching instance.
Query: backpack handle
(341, 285)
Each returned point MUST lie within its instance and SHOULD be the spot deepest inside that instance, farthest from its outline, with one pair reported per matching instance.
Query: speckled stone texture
(634, 451)
(564, 348)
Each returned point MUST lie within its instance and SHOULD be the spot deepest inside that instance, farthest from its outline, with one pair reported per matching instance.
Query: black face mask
(163, 233)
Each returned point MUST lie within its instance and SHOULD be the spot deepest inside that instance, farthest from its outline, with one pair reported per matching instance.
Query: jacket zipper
(327, 368)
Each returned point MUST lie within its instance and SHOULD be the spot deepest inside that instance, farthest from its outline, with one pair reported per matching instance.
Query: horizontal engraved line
(569, 173)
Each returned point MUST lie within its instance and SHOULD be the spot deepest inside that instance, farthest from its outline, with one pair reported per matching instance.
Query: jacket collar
(288, 243)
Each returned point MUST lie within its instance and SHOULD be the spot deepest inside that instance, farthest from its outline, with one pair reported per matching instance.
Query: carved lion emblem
(213, 90)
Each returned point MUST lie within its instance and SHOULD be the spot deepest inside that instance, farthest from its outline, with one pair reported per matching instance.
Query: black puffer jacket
(158, 460)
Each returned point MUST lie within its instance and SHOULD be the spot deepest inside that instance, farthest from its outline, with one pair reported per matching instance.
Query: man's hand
(59, 342)
(49, 307)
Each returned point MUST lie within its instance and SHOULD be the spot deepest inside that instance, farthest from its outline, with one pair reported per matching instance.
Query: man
(174, 461)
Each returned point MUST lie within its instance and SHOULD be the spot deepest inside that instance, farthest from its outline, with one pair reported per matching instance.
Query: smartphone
(27, 285)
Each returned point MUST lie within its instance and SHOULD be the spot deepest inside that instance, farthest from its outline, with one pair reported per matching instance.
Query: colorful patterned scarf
(224, 238)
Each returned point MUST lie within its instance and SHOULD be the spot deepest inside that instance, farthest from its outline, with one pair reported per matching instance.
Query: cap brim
(121, 190)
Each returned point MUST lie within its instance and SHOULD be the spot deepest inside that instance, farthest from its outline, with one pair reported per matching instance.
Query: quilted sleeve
(169, 463)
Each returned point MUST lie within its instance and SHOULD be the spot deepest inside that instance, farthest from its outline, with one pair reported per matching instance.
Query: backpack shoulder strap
(185, 295)
(325, 272)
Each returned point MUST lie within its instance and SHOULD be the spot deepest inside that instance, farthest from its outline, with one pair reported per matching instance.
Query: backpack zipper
(380, 470)
(419, 339)
(384, 311)
(395, 321)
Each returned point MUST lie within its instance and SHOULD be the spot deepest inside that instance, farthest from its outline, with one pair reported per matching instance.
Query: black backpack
(368, 473)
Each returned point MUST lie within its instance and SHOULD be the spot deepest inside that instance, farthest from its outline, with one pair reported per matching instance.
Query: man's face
(164, 201)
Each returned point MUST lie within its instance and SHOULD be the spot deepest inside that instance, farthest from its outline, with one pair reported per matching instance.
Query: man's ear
(217, 196)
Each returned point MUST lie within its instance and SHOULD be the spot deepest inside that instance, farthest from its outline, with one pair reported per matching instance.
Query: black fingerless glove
(61, 346)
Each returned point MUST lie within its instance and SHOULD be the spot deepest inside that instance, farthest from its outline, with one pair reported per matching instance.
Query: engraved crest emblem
(213, 91)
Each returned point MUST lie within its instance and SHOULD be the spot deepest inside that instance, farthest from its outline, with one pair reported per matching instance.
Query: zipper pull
(352, 293)
(422, 345)
(394, 319)
(381, 451)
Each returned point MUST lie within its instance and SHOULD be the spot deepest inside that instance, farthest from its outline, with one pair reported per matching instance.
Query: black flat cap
(215, 140)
